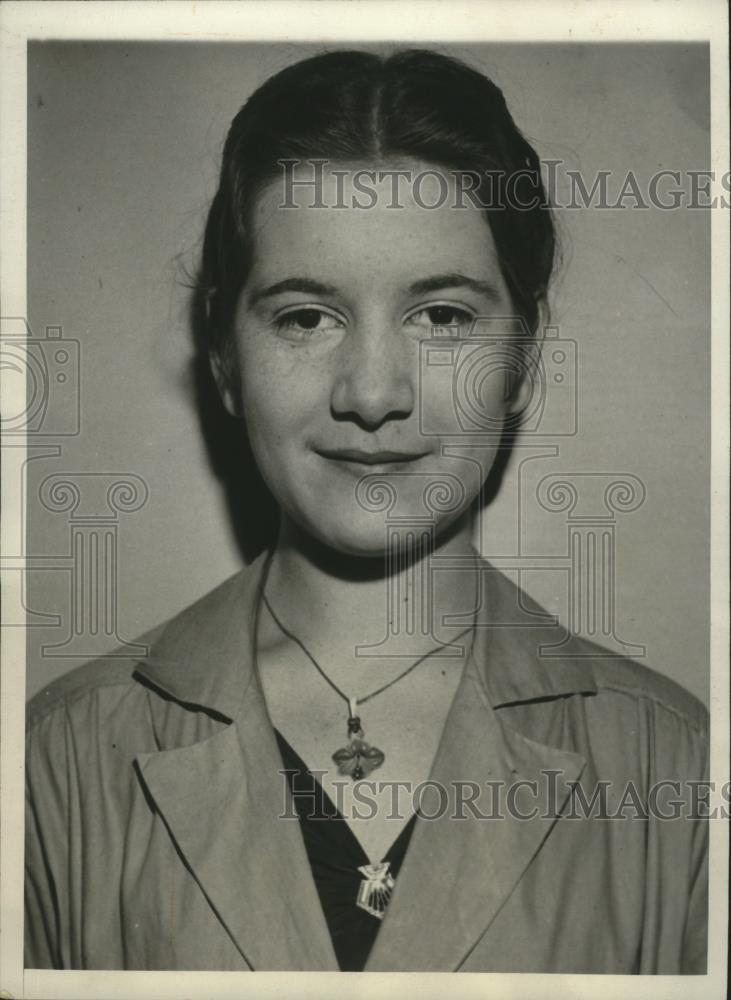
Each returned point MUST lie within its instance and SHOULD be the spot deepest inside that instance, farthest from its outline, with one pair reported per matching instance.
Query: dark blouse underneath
(335, 854)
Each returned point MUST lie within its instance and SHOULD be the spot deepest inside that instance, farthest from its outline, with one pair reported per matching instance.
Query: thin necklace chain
(333, 685)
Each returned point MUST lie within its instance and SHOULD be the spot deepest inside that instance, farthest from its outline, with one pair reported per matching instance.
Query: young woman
(352, 754)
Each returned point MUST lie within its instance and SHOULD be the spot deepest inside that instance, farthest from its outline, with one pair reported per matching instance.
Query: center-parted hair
(359, 106)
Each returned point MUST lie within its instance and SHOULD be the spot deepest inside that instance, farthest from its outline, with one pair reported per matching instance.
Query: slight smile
(373, 461)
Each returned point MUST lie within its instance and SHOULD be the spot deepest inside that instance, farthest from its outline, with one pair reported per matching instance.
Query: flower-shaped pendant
(358, 758)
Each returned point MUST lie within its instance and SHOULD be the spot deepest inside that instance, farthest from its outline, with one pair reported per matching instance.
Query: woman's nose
(375, 378)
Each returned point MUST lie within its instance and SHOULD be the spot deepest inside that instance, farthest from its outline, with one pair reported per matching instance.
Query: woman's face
(352, 406)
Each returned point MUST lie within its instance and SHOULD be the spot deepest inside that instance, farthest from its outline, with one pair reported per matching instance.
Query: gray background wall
(124, 141)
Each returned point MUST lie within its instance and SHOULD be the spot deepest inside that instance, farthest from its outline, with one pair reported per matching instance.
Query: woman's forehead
(391, 184)
(360, 219)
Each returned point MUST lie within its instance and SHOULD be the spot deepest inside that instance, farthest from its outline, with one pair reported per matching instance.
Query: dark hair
(352, 105)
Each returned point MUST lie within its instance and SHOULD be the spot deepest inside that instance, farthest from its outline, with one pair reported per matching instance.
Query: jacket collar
(205, 655)
(221, 805)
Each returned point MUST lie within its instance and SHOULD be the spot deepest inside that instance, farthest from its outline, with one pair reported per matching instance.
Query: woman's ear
(222, 366)
(529, 362)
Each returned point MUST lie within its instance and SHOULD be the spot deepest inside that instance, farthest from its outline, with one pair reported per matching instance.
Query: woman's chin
(365, 541)
(374, 538)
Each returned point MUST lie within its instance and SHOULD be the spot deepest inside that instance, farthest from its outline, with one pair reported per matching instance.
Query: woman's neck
(391, 607)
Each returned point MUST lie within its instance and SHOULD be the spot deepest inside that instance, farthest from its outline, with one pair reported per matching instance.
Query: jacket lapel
(222, 801)
(458, 872)
(221, 797)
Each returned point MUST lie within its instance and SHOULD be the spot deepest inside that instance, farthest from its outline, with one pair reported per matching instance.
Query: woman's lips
(371, 461)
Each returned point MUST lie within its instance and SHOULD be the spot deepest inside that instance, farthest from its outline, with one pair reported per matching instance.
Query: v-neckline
(332, 811)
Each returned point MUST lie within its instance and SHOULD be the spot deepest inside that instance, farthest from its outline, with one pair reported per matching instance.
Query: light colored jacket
(154, 837)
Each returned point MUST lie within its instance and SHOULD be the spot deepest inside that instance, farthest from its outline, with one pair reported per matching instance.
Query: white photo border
(329, 21)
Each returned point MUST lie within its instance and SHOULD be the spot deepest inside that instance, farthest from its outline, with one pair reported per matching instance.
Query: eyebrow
(439, 282)
(435, 283)
(307, 286)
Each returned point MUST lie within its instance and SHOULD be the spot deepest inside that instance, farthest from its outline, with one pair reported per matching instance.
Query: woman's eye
(302, 323)
(442, 315)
